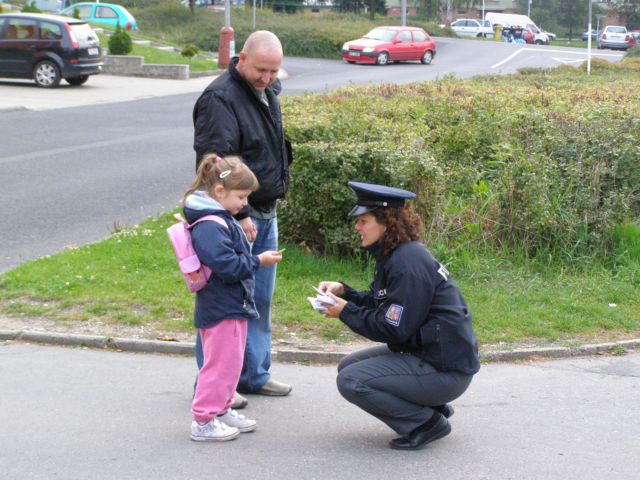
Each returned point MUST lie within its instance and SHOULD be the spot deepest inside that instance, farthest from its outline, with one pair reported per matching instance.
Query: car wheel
(77, 81)
(383, 58)
(538, 42)
(46, 74)
(427, 57)
(351, 61)
(479, 35)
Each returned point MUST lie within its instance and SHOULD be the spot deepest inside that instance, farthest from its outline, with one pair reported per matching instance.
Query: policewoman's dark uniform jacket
(414, 307)
(230, 119)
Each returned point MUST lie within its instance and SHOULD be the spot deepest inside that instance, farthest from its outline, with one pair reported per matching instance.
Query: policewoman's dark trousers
(397, 388)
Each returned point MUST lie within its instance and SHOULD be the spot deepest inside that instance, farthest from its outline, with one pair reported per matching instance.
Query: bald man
(239, 114)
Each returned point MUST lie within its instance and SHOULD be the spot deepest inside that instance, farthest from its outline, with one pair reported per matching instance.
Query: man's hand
(249, 228)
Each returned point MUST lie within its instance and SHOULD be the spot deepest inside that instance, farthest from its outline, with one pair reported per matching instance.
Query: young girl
(223, 307)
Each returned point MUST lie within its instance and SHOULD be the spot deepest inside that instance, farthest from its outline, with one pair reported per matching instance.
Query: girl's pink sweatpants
(223, 348)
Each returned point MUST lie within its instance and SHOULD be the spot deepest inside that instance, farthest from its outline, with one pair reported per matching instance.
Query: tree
(629, 11)
(572, 14)
(120, 42)
(357, 6)
(189, 51)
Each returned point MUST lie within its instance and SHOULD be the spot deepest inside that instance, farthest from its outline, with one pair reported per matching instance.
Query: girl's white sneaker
(213, 431)
(237, 420)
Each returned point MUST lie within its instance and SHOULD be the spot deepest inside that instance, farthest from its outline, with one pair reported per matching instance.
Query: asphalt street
(73, 413)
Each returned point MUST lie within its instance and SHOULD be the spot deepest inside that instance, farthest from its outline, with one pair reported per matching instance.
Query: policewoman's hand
(333, 311)
(333, 287)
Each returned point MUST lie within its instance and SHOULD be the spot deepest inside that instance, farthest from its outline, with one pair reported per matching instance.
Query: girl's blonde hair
(230, 172)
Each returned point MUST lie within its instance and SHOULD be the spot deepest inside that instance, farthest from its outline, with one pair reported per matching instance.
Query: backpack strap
(213, 218)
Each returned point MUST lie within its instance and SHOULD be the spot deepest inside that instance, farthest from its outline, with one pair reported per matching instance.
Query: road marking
(567, 60)
(567, 52)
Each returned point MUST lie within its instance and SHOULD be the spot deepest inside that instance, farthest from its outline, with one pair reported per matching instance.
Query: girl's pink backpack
(195, 273)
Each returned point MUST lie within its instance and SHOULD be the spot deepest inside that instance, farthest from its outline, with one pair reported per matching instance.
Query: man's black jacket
(230, 119)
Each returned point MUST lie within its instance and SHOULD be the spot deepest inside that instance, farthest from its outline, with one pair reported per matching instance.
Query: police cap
(371, 196)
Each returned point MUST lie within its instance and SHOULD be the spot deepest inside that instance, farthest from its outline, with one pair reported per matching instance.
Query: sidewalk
(100, 89)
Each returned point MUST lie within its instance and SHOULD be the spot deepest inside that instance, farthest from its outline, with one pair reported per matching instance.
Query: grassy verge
(155, 56)
(131, 278)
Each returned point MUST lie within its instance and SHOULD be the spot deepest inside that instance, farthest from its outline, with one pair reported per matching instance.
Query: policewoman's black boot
(436, 427)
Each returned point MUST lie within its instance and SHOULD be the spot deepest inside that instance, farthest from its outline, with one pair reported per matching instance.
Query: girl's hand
(270, 257)
(331, 287)
(333, 311)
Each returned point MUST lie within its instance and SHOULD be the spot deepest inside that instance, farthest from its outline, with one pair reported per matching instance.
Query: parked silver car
(472, 27)
(614, 36)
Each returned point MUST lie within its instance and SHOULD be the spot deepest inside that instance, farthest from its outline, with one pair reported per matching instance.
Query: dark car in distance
(48, 48)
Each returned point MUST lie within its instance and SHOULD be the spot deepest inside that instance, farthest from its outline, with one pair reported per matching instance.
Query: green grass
(156, 56)
(131, 278)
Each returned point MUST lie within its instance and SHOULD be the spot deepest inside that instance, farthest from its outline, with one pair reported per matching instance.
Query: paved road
(88, 414)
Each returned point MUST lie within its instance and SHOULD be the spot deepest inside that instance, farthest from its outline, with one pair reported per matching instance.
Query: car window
(381, 34)
(458, 23)
(404, 36)
(616, 30)
(50, 31)
(84, 11)
(106, 12)
(472, 23)
(419, 36)
(21, 28)
(3, 32)
(83, 32)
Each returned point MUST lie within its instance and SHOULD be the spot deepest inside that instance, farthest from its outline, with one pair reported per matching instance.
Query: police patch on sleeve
(394, 314)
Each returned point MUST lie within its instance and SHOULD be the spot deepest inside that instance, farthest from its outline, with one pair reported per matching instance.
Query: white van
(514, 20)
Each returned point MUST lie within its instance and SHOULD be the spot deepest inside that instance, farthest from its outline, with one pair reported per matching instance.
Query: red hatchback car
(391, 44)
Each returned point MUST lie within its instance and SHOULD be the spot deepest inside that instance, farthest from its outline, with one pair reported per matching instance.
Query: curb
(295, 356)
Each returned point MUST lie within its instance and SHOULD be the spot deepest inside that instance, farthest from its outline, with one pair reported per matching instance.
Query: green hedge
(543, 164)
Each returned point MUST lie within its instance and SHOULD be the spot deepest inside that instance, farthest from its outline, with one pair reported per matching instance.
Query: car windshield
(381, 34)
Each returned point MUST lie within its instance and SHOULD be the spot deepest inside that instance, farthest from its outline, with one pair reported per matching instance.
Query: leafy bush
(189, 50)
(120, 42)
(31, 8)
(544, 165)
(633, 52)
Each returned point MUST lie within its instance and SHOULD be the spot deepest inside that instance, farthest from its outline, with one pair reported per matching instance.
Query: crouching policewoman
(416, 309)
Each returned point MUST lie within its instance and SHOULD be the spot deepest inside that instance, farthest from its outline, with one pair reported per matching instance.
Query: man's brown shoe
(274, 389)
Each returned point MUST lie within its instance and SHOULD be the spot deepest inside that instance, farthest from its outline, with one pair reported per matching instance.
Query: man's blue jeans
(257, 355)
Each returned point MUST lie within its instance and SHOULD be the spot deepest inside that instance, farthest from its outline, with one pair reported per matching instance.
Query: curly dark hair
(402, 223)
